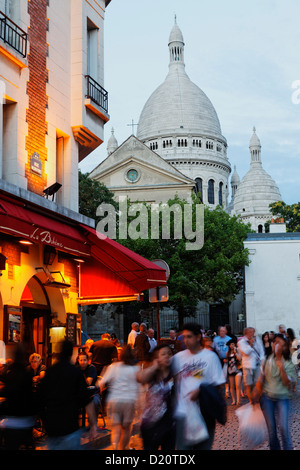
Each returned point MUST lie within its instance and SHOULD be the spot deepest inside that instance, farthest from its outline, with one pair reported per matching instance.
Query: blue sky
(243, 54)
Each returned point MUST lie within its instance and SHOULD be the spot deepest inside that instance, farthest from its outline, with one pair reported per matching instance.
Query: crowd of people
(176, 387)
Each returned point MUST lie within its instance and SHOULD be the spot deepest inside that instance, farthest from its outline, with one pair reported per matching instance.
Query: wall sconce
(51, 190)
(49, 255)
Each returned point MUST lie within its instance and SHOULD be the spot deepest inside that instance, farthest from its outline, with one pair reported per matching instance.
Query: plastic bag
(195, 427)
(252, 426)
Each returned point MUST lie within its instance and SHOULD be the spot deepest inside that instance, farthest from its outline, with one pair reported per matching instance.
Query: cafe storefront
(49, 265)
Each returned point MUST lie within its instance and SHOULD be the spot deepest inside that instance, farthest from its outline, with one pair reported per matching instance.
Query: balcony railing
(12, 35)
(97, 93)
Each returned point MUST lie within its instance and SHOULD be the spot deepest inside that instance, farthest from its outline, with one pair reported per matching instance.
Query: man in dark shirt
(90, 376)
(104, 352)
(142, 345)
(64, 393)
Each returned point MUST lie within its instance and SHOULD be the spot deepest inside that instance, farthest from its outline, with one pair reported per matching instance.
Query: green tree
(290, 214)
(213, 273)
(91, 194)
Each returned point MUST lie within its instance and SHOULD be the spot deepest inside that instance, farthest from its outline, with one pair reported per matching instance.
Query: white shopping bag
(252, 426)
(195, 428)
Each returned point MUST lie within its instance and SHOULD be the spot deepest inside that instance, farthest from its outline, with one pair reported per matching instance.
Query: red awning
(111, 272)
(20, 221)
(115, 270)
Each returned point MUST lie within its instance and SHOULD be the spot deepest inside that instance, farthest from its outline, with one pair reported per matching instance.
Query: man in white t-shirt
(192, 367)
(133, 334)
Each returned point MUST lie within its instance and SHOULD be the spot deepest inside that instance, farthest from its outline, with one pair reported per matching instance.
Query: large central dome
(178, 105)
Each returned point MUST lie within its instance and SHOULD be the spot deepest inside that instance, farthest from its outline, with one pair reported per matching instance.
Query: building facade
(272, 280)
(53, 110)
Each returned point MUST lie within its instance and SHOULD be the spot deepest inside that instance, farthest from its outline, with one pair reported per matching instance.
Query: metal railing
(12, 35)
(97, 93)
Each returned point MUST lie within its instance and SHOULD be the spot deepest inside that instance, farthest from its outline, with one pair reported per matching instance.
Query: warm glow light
(79, 260)
(108, 300)
(25, 242)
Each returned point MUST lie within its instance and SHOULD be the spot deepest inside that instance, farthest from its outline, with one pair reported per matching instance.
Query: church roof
(178, 106)
(257, 189)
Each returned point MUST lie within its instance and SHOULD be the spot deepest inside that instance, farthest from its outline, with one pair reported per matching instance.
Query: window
(209, 145)
(221, 194)
(92, 50)
(153, 145)
(211, 192)
(196, 143)
(182, 143)
(199, 187)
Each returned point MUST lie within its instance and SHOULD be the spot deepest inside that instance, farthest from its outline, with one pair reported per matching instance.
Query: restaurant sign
(36, 165)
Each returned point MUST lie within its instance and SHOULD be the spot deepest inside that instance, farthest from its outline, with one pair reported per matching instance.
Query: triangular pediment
(134, 152)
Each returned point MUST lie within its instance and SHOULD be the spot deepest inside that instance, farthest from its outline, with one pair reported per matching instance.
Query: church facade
(180, 148)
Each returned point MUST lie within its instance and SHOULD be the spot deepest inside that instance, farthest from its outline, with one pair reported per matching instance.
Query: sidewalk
(102, 441)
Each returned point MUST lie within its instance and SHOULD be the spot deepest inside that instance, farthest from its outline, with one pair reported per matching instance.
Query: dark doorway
(219, 316)
(35, 322)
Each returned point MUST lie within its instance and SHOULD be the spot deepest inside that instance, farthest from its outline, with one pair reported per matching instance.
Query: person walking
(133, 334)
(122, 396)
(152, 340)
(158, 424)
(192, 368)
(63, 394)
(274, 390)
(234, 371)
(252, 351)
(220, 346)
(104, 352)
(267, 343)
(142, 346)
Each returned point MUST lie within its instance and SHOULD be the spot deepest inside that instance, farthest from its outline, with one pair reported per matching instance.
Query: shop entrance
(36, 317)
(35, 329)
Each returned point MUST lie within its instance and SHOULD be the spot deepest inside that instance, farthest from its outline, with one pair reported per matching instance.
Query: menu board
(74, 328)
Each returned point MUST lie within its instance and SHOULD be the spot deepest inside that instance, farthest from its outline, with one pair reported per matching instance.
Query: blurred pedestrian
(104, 352)
(122, 396)
(152, 340)
(90, 376)
(221, 348)
(267, 343)
(274, 389)
(133, 334)
(234, 371)
(142, 346)
(18, 408)
(292, 340)
(64, 394)
(282, 330)
(158, 424)
(115, 340)
(252, 351)
(192, 368)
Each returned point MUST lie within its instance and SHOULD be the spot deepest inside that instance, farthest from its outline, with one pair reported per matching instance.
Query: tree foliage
(290, 214)
(91, 194)
(212, 273)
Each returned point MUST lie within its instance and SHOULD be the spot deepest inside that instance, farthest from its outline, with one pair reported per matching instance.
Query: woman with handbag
(274, 390)
(234, 372)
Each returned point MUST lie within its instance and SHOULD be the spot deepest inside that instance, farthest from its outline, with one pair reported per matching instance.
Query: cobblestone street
(226, 437)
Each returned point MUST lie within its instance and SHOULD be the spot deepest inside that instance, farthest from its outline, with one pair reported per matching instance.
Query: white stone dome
(178, 106)
(257, 188)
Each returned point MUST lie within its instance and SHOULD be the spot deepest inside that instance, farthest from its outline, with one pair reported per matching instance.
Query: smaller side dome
(112, 143)
(235, 179)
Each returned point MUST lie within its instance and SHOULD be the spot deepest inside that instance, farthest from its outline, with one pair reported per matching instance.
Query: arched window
(199, 187)
(211, 192)
(221, 194)
(260, 229)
